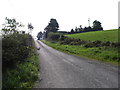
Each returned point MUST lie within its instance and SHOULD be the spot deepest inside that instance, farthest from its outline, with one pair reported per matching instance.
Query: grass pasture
(106, 35)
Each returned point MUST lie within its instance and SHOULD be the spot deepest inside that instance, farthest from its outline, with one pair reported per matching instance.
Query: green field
(106, 35)
(103, 54)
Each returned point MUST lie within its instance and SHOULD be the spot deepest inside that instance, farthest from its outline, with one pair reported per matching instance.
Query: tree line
(96, 27)
(53, 26)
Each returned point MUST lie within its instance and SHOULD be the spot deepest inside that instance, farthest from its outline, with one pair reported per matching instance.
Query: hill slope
(106, 35)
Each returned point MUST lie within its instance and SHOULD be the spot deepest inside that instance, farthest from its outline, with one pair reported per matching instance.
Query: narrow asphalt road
(60, 70)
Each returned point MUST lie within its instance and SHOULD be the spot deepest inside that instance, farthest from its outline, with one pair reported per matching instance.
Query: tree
(80, 28)
(11, 26)
(39, 36)
(85, 29)
(52, 26)
(97, 25)
(89, 28)
(72, 31)
(76, 29)
(30, 27)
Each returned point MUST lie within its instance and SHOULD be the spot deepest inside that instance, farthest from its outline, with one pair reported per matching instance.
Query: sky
(68, 13)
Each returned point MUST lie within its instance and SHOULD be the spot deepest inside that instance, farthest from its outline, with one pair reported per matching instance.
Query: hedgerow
(15, 48)
(87, 44)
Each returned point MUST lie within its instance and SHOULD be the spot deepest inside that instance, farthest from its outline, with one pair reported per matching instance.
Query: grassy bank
(104, 54)
(24, 74)
(107, 35)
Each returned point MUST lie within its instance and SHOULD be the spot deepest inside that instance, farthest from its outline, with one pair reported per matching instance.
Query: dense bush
(102, 44)
(15, 48)
(87, 44)
(72, 41)
(62, 38)
(54, 36)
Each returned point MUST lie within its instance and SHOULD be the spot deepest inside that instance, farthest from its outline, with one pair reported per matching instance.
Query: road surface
(60, 70)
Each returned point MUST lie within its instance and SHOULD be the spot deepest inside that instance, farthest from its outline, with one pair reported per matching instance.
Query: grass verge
(24, 75)
(103, 54)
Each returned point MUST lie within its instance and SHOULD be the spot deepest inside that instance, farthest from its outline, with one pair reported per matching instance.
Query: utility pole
(89, 22)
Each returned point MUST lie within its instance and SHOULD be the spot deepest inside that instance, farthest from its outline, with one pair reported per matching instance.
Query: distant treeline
(86, 29)
(96, 27)
(53, 26)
